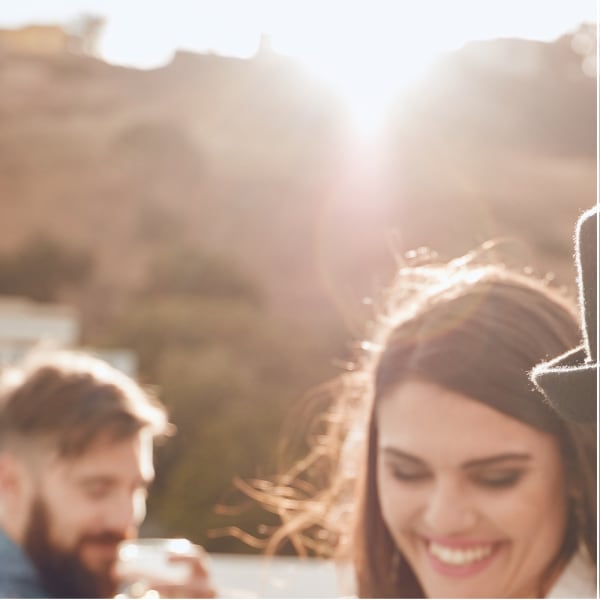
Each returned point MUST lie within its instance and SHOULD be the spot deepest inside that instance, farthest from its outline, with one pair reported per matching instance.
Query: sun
(372, 52)
(368, 53)
(370, 85)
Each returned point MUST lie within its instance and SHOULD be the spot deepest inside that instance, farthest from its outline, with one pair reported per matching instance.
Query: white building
(26, 324)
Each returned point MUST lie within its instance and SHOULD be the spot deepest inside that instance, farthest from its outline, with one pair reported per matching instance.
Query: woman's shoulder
(578, 580)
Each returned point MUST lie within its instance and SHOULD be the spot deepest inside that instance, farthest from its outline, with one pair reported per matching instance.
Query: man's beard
(62, 572)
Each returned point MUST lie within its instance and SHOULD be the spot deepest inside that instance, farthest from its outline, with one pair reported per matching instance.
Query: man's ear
(15, 495)
(12, 479)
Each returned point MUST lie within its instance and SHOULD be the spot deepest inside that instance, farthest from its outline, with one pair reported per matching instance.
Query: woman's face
(474, 499)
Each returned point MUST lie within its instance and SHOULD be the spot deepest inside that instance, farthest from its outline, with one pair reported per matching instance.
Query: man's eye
(501, 479)
(97, 492)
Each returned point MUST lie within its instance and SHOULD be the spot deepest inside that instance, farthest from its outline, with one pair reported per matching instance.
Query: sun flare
(373, 58)
(368, 52)
(372, 52)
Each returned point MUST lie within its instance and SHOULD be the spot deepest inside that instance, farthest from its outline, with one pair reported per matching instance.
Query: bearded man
(76, 440)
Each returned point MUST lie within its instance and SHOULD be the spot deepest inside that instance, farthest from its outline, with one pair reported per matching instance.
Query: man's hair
(70, 399)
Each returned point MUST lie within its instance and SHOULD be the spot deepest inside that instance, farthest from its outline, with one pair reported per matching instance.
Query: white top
(578, 580)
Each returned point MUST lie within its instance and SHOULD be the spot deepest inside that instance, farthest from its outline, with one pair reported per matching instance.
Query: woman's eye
(408, 474)
(498, 480)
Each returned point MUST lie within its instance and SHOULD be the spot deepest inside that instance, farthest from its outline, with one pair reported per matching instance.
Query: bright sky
(143, 33)
(368, 49)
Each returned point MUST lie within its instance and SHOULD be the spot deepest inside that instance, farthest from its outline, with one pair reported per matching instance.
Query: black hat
(570, 381)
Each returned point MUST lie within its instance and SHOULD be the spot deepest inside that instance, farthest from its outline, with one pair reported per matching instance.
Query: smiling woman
(470, 485)
(473, 514)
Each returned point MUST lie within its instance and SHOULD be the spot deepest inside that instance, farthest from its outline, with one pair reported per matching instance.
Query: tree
(41, 267)
(187, 271)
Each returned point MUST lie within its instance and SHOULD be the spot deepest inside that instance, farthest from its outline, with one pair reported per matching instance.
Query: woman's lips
(460, 558)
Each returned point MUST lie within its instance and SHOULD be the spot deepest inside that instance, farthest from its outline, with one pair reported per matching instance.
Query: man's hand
(197, 585)
(192, 579)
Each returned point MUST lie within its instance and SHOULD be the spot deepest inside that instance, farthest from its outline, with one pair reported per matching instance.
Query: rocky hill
(249, 158)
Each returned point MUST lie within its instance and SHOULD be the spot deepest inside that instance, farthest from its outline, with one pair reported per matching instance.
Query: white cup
(145, 561)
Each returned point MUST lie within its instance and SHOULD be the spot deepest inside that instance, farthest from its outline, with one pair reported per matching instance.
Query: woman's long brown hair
(475, 329)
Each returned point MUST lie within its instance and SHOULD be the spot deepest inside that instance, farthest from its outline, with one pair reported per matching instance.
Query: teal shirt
(18, 577)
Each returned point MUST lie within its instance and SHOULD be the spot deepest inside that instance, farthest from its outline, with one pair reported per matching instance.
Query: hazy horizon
(311, 32)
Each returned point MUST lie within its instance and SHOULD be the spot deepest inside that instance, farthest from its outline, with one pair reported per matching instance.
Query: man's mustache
(104, 537)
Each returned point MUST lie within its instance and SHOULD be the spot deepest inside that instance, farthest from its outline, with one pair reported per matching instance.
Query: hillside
(246, 157)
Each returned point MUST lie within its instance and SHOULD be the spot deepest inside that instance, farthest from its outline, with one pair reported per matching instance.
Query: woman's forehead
(419, 416)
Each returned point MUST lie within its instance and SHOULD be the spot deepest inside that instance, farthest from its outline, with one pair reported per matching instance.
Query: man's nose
(126, 513)
(449, 509)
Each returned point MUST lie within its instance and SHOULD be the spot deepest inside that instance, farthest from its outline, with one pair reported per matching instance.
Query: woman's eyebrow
(397, 453)
(487, 461)
(484, 461)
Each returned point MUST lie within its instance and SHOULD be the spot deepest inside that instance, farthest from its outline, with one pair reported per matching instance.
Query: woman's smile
(459, 557)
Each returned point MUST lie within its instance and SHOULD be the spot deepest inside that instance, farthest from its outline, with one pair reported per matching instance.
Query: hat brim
(570, 383)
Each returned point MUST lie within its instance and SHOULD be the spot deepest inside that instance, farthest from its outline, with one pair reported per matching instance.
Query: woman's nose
(449, 509)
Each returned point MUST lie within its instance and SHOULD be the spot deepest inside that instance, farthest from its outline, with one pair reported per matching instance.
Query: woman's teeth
(456, 556)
